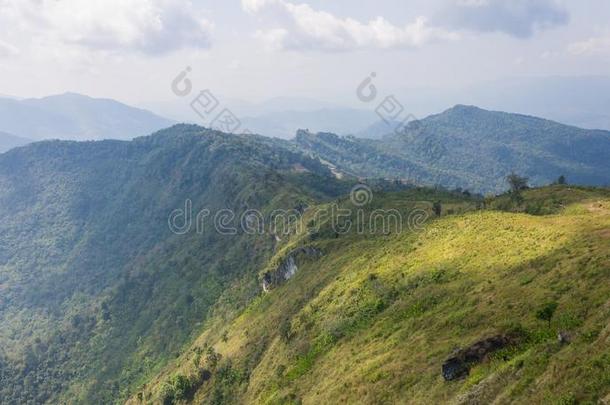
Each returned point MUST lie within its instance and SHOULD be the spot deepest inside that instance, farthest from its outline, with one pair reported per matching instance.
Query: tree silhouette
(517, 184)
(546, 312)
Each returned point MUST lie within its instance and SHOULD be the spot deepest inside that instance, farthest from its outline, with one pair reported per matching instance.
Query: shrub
(437, 208)
(546, 312)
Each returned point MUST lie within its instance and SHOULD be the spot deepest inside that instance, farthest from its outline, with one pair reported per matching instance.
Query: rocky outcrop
(564, 337)
(459, 364)
(288, 267)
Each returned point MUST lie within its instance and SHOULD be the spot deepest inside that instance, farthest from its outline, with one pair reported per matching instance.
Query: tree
(562, 180)
(437, 208)
(546, 312)
(517, 184)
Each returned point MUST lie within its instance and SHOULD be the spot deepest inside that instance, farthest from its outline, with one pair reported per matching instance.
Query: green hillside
(372, 318)
(471, 148)
(101, 302)
(96, 293)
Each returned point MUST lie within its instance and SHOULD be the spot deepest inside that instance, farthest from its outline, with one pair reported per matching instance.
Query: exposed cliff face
(288, 267)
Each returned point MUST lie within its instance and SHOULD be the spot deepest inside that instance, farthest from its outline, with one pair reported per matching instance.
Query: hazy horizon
(256, 50)
(581, 101)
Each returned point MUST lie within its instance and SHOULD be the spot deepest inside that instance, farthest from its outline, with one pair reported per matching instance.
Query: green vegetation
(546, 312)
(517, 185)
(473, 149)
(373, 319)
(101, 303)
(97, 293)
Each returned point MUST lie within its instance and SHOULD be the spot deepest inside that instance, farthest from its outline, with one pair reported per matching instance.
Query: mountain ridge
(472, 148)
(115, 282)
(75, 116)
(8, 141)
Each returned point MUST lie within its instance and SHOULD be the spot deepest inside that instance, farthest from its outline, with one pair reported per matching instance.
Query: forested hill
(96, 291)
(471, 148)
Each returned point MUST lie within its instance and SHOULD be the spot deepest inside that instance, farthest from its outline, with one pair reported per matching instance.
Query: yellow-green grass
(373, 319)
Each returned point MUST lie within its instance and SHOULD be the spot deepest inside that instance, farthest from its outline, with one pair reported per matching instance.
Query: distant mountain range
(579, 101)
(466, 147)
(8, 141)
(76, 117)
(472, 148)
(283, 124)
(378, 129)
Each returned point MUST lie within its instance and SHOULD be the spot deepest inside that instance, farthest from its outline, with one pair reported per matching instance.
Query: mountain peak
(464, 108)
(303, 132)
(68, 95)
(72, 94)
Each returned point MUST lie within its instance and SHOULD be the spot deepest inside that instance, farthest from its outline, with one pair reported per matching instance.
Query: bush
(437, 208)
(177, 388)
(546, 312)
(285, 330)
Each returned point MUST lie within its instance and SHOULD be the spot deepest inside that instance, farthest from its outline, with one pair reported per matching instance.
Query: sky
(253, 50)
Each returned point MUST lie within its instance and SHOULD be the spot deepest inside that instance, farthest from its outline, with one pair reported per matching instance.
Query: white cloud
(519, 18)
(147, 26)
(591, 46)
(7, 49)
(299, 26)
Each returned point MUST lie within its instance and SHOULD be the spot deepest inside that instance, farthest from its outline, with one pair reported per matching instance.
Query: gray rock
(563, 337)
(287, 267)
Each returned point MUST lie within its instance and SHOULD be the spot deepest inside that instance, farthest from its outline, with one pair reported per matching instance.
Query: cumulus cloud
(148, 26)
(519, 18)
(299, 27)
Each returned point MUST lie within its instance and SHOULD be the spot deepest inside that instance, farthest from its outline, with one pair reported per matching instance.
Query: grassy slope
(375, 317)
